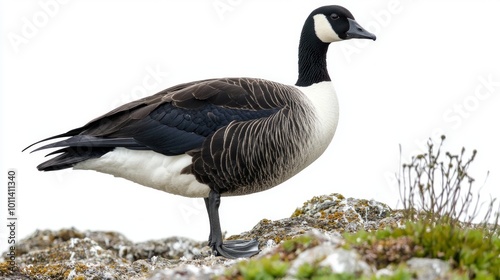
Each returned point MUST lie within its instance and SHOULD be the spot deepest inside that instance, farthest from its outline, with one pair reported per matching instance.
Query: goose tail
(79, 148)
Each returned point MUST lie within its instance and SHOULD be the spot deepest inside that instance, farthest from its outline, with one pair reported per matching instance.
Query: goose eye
(334, 16)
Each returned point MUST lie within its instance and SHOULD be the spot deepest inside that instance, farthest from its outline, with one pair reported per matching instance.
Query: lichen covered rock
(309, 244)
(76, 258)
(72, 254)
(332, 214)
(344, 214)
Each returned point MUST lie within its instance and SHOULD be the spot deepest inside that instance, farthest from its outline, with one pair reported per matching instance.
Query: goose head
(336, 23)
(323, 26)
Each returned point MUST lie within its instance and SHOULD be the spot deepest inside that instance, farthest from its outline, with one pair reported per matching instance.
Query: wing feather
(174, 121)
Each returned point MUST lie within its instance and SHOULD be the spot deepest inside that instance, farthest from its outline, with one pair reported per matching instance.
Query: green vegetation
(442, 227)
(468, 250)
(441, 215)
(265, 268)
(275, 266)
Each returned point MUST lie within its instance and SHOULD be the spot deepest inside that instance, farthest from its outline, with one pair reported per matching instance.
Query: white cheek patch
(324, 30)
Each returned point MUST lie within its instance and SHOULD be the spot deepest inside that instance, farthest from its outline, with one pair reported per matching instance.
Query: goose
(222, 136)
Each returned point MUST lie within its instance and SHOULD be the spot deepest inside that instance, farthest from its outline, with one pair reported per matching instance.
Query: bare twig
(442, 189)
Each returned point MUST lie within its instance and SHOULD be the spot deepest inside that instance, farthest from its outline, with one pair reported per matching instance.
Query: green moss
(262, 269)
(313, 271)
(298, 244)
(399, 274)
(389, 247)
(469, 250)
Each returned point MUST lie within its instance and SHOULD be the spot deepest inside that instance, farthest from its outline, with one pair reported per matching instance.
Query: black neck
(312, 57)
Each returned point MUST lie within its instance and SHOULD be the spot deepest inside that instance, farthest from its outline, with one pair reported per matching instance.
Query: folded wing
(172, 122)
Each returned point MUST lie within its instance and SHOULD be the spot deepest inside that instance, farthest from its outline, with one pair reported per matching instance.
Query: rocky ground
(73, 254)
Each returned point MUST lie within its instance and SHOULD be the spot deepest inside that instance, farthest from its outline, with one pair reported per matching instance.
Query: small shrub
(440, 208)
(438, 190)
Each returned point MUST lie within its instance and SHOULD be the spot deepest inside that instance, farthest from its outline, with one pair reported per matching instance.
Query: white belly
(149, 169)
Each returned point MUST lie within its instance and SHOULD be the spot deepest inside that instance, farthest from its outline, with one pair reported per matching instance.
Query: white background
(64, 63)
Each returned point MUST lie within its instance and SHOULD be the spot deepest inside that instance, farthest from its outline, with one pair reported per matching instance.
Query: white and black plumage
(230, 136)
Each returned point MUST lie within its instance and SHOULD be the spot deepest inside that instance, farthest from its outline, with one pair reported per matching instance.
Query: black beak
(356, 31)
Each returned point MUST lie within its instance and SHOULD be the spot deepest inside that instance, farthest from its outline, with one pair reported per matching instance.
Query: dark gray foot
(231, 249)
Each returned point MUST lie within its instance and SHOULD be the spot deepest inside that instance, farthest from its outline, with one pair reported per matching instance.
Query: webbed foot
(233, 249)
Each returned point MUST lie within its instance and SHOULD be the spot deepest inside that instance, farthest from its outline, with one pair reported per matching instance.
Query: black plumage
(171, 122)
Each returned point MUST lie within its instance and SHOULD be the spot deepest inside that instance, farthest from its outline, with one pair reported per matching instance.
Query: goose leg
(231, 249)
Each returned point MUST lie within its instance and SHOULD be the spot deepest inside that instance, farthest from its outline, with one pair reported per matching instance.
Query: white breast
(324, 101)
(149, 169)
